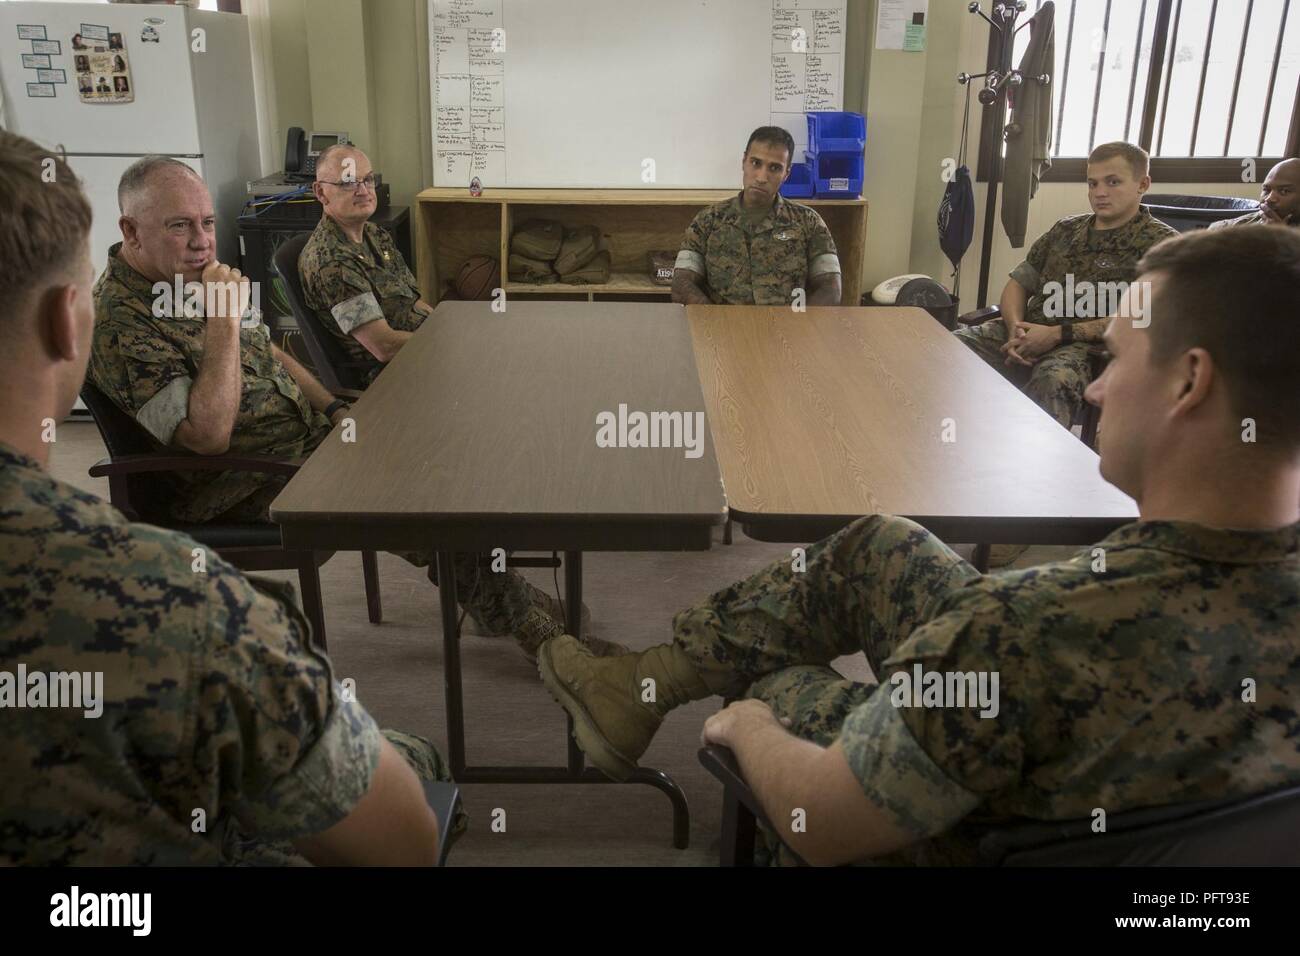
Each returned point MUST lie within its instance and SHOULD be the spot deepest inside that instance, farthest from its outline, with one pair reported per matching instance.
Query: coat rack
(997, 82)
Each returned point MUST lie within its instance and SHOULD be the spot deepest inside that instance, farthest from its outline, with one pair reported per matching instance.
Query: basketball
(478, 277)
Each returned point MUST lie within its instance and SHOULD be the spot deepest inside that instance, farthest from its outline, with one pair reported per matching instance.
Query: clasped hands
(1029, 342)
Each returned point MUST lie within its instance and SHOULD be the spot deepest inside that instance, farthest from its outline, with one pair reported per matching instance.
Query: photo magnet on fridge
(103, 73)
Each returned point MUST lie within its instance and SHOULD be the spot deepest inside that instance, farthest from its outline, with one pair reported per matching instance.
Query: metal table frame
(575, 771)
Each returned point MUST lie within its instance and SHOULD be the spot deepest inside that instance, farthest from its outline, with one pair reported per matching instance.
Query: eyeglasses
(350, 185)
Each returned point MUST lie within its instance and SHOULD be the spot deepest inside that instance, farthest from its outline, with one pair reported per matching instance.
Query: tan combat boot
(539, 627)
(539, 599)
(551, 607)
(615, 707)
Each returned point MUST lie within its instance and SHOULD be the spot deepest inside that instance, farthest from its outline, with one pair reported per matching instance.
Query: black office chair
(444, 800)
(341, 374)
(1262, 830)
(135, 470)
(741, 811)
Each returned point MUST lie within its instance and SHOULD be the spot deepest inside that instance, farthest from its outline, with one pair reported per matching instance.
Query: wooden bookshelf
(452, 225)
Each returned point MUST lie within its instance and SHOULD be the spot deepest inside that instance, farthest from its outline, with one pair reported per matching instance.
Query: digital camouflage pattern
(417, 751)
(146, 366)
(757, 260)
(1056, 382)
(349, 284)
(1072, 247)
(213, 697)
(1118, 688)
(143, 363)
(136, 358)
(1249, 219)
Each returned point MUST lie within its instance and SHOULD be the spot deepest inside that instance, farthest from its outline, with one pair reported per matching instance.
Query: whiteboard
(623, 93)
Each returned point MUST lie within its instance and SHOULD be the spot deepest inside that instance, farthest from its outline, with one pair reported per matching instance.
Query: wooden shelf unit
(452, 225)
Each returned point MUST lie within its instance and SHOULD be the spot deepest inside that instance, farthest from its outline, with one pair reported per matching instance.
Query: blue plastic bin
(836, 175)
(800, 185)
(836, 132)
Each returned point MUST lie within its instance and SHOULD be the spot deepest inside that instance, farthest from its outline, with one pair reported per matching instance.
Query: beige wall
(288, 60)
(359, 66)
(895, 96)
(363, 66)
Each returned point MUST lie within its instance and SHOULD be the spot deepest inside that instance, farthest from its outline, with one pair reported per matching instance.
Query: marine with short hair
(1155, 668)
(353, 276)
(208, 383)
(1279, 199)
(758, 248)
(1041, 343)
(219, 735)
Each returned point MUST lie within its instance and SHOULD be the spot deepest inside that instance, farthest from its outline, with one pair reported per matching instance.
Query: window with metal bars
(1202, 85)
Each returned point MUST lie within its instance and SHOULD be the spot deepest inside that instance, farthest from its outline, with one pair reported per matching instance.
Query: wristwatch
(1067, 333)
(334, 406)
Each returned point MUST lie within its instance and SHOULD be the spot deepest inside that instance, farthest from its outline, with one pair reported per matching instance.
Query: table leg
(451, 663)
(573, 625)
(575, 772)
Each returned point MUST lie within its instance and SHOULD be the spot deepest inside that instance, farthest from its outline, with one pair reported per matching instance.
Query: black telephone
(301, 151)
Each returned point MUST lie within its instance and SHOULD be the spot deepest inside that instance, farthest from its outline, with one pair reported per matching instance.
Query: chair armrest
(980, 315)
(443, 800)
(721, 762)
(163, 461)
(1098, 359)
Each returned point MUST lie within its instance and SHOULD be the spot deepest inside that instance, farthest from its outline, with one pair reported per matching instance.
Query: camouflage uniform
(213, 698)
(349, 284)
(146, 366)
(1120, 688)
(757, 260)
(1071, 247)
(1249, 219)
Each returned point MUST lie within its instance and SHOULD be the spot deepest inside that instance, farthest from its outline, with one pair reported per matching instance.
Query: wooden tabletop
(482, 433)
(823, 416)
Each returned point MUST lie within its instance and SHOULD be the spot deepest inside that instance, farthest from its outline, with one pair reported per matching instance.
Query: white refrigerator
(190, 73)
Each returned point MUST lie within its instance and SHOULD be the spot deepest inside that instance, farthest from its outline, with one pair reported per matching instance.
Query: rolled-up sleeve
(287, 752)
(823, 257)
(897, 774)
(929, 764)
(695, 245)
(1030, 272)
(341, 293)
(351, 314)
(156, 390)
(169, 407)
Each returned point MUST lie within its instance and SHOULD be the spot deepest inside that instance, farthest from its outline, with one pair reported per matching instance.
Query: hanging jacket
(1029, 134)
